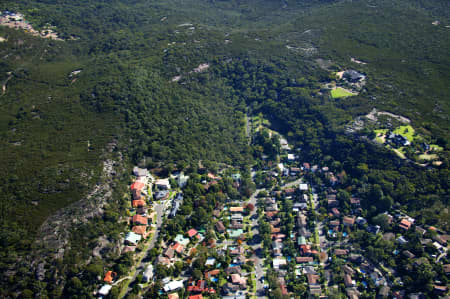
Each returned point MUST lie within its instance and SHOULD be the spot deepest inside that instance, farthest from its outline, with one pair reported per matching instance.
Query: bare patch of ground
(373, 116)
(357, 61)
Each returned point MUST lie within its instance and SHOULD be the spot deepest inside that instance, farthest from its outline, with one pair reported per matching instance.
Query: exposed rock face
(54, 234)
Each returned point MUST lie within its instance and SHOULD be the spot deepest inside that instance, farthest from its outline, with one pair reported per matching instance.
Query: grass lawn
(341, 93)
(253, 282)
(406, 131)
(316, 236)
(436, 147)
(428, 156)
(399, 153)
(379, 133)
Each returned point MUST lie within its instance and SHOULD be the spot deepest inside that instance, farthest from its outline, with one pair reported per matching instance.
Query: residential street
(259, 269)
(159, 209)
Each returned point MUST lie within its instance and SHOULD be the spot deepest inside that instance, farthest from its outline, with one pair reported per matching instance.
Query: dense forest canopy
(262, 57)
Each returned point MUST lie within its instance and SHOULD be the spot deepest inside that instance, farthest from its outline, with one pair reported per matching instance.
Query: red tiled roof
(212, 273)
(304, 259)
(284, 290)
(138, 203)
(405, 224)
(140, 219)
(173, 296)
(349, 220)
(340, 251)
(199, 296)
(139, 229)
(109, 276)
(137, 185)
(192, 232)
(289, 190)
(275, 230)
(178, 247)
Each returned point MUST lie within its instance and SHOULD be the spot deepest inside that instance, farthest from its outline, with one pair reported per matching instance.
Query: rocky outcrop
(54, 234)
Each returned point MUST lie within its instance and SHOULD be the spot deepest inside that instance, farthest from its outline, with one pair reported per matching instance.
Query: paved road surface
(296, 182)
(159, 209)
(259, 262)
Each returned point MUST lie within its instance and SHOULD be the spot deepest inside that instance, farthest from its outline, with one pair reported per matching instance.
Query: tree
(382, 220)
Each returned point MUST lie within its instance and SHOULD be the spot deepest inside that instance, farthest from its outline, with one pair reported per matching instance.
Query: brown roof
(219, 226)
(212, 273)
(129, 249)
(348, 270)
(289, 190)
(349, 220)
(178, 247)
(340, 251)
(275, 230)
(173, 296)
(405, 224)
(348, 280)
(440, 288)
(312, 278)
(139, 229)
(140, 219)
(447, 268)
(304, 259)
(355, 201)
(335, 222)
(138, 203)
(169, 252)
(271, 214)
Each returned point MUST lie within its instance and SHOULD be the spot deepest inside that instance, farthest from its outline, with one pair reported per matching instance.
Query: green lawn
(436, 147)
(379, 133)
(428, 156)
(339, 92)
(399, 153)
(406, 131)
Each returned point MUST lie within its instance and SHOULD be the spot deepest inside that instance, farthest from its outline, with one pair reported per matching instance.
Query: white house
(173, 285)
(303, 187)
(132, 238)
(148, 273)
(104, 290)
(163, 184)
(279, 261)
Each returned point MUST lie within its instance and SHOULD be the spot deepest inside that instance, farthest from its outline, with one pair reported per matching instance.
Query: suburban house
(353, 76)
(139, 220)
(304, 259)
(173, 286)
(349, 221)
(169, 252)
(138, 203)
(132, 238)
(405, 224)
(148, 273)
(109, 277)
(340, 252)
(192, 232)
(140, 230)
(220, 227)
(348, 281)
(162, 184)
